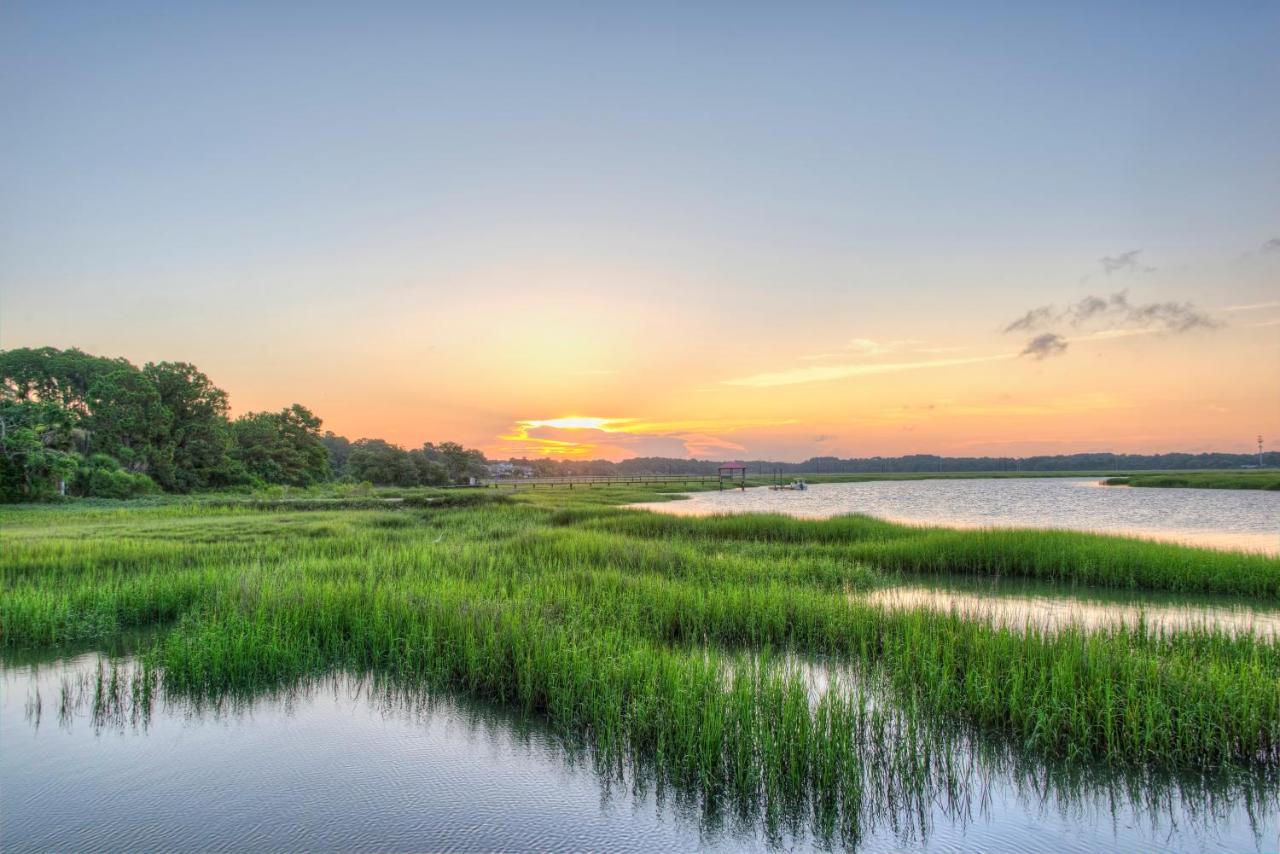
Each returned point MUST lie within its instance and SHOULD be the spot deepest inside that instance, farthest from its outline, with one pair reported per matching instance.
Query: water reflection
(1248, 520)
(1020, 605)
(357, 762)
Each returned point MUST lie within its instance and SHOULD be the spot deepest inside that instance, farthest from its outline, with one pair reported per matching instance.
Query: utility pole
(1259, 450)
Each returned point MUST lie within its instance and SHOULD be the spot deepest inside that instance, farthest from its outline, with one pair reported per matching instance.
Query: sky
(725, 230)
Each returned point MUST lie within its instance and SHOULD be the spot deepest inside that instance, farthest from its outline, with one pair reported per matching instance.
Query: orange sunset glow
(523, 380)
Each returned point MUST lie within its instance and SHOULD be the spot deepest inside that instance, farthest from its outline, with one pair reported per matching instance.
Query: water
(1247, 520)
(1019, 604)
(341, 764)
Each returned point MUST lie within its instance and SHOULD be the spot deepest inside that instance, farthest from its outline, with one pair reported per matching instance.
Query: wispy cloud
(1097, 310)
(1170, 316)
(1113, 316)
(869, 347)
(1108, 334)
(1045, 345)
(1125, 262)
(1272, 245)
(1077, 313)
(1034, 318)
(1081, 402)
(1095, 318)
(1091, 307)
(1105, 317)
(827, 373)
(1256, 306)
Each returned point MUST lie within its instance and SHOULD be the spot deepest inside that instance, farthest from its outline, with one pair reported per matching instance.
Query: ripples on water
(1243, 519)
(346, 763)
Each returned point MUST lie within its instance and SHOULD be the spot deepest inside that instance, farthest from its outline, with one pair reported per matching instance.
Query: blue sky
(227, 183)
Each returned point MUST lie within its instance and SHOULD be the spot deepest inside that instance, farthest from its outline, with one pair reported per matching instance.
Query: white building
(510, 470)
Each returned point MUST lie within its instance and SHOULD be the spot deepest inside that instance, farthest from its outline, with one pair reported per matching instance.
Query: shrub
(100, 476)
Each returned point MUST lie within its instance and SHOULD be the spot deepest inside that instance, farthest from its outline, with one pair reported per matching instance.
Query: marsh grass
(1268, 480)
(1096, 560)
(654, 638)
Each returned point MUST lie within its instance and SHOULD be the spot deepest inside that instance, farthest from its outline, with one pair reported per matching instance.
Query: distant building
(510, 470)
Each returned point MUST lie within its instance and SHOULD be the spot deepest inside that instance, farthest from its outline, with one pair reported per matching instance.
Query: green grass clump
(1050, 555)
(1269, 480)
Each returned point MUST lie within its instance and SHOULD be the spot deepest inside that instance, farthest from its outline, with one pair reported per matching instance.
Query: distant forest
(913, 463)
(77, 424)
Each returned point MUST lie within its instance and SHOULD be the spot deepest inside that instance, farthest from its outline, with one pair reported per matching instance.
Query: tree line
(85, 425)
(382, 463)
(914, 463)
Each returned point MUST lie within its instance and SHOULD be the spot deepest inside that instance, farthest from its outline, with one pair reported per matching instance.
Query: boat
(797, 485)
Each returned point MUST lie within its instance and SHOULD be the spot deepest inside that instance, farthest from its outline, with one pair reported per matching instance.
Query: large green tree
(128, 421)
(431, 469)
(339, 448)
(282, 447)
(57, 376)
(198, 441)
(381, 463)
(36, 449)
(459, 463)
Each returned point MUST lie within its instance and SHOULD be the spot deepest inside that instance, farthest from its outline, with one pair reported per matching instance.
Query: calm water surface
(1243, 519)
(338, 765)
(1021, 604)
